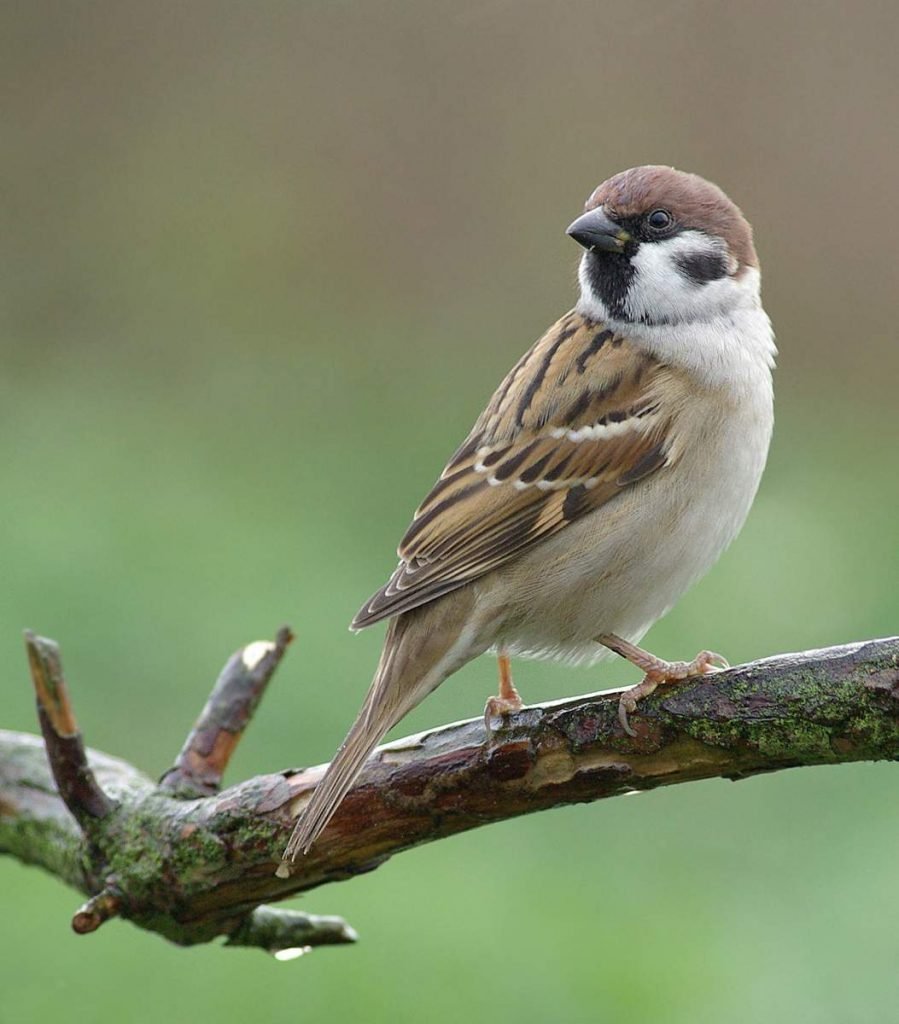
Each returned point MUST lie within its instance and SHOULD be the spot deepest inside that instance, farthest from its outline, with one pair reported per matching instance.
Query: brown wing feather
(574, 421)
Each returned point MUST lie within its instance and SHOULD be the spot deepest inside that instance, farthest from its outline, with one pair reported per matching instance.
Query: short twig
(98, 909)
(289, 933)
(199, 768)
(74, 779)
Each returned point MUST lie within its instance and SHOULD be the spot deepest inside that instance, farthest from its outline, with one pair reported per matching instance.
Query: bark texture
(193, 867)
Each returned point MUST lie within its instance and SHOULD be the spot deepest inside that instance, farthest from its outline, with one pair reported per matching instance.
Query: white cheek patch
(661, 292)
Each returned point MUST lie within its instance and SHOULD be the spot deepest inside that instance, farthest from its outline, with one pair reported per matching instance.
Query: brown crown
(693, 201)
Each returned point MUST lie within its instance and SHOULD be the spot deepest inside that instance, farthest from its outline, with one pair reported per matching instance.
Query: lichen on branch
(194, 867)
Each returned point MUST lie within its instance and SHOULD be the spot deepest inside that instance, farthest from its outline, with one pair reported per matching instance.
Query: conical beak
(596, 231)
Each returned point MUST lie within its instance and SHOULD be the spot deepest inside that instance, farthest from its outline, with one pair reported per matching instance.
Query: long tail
(402, 680)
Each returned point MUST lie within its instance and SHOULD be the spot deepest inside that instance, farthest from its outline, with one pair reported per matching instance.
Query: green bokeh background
(260, 266)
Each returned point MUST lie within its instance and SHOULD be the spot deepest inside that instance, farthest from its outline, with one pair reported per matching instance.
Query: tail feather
(391, 695)
(338, 779)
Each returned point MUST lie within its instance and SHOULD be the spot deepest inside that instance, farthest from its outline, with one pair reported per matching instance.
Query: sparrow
(608, 472)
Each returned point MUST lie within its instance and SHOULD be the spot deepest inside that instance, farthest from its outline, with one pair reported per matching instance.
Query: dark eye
(659, 220)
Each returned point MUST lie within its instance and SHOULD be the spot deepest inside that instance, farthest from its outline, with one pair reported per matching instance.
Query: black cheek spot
(702, 267)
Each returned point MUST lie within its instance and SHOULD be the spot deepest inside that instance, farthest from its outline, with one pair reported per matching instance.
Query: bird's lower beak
(596, 231)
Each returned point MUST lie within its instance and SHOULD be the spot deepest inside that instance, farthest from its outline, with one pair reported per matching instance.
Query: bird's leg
(508, 700)
(657, 672)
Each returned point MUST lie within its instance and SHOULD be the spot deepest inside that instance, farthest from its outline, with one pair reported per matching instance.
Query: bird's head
(662, 248)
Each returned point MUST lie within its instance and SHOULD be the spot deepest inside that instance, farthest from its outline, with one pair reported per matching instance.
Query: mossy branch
(196, 867)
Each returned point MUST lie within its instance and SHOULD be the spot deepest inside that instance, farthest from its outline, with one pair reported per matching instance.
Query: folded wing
(574, 422)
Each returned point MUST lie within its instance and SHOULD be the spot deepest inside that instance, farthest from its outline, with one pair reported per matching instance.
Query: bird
(608, 472)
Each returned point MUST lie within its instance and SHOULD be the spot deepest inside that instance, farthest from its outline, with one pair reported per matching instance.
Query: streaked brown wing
(575, 421)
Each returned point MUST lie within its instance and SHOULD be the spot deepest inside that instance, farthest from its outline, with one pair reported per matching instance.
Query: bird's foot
(657, 673)
(508, 701)
(499, 708)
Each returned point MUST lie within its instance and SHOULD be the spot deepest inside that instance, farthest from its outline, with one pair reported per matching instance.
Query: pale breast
(623, 567)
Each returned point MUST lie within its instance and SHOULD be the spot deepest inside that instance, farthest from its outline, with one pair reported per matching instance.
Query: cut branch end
(201, 764)
(96, 911)
(72, 774)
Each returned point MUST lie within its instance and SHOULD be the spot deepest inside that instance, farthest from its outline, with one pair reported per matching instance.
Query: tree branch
(195, 869)
(65, 747)
(199, 768)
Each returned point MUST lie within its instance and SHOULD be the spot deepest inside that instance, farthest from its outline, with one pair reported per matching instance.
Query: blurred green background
(260, 266)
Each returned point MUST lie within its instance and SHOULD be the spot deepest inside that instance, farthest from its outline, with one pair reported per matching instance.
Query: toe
(709, 661)
(497, 709)
(623, 711)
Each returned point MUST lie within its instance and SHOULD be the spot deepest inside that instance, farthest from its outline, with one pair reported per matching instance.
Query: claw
(508, 701)
(500, 708)
(714, 662)
(625, 707)
(657, 673)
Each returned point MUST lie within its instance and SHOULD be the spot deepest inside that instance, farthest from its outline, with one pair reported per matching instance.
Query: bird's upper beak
(595, 230)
